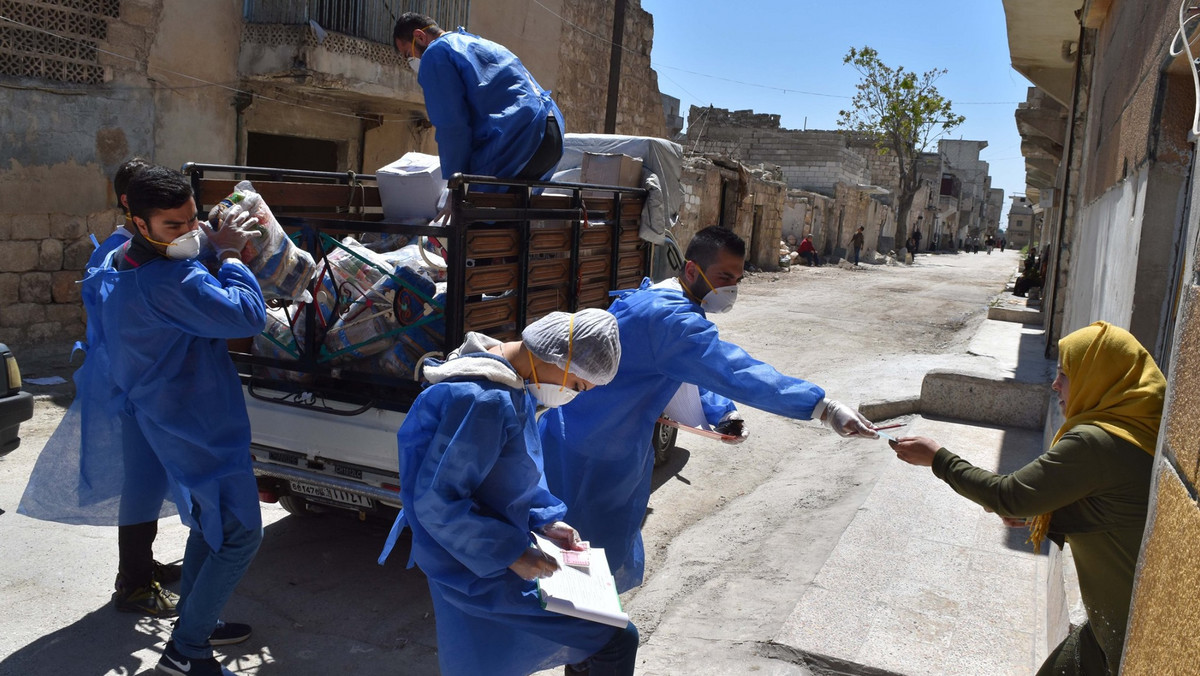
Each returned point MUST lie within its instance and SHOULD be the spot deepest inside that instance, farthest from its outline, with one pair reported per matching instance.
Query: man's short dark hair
(705, 246)
(125, 172)
(409, 22)
(156, 188)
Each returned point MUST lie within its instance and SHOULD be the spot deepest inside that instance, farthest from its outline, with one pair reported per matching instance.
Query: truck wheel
(662, 442)
(296, 506)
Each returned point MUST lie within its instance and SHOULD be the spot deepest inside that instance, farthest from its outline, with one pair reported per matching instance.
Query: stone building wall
(583, 64)
(815, 161)
(760, 199)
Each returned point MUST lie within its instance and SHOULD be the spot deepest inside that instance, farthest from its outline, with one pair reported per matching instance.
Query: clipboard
(696, 430)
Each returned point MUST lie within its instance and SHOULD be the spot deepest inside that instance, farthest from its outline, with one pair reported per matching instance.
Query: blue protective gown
(158, 382)
(489, 112)
(472, 485)
(598, 456)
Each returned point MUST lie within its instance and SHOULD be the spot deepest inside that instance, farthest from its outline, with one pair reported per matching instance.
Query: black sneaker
(151, 600)
(167, 573)
(172, 662)
(228, 633)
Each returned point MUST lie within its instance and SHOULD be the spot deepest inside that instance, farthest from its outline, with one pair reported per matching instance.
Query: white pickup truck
(324, 415)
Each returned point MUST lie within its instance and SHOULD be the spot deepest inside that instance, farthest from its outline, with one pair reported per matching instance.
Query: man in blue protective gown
(491, 116)
(159, 321)
(472, 486)
(598, 457)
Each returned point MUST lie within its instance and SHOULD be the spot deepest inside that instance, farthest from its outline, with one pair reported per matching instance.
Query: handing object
(846, 421)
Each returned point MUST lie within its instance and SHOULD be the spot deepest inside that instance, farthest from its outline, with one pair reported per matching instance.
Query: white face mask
(719, 300)
(415, 64)
(550, 396)
(184, 246)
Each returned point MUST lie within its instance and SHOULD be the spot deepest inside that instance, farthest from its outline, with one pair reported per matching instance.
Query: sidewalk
(924, 582)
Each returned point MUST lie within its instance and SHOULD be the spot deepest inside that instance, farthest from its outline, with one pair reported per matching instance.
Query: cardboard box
(410, 187)
(611, 169)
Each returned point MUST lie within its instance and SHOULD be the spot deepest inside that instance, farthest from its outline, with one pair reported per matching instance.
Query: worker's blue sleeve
(688, 348)
(464, 485)
(229, 305)
(448, 108)
(715, 406)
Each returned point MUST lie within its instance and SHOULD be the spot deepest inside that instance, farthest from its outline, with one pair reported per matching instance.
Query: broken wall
(750, 203)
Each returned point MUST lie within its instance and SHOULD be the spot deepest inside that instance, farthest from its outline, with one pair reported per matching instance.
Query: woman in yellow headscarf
(1091, 488)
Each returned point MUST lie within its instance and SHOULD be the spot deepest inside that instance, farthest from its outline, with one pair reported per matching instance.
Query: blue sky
(799, 45)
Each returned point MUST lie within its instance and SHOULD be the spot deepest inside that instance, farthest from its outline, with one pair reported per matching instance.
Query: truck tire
(296, 506)
(663, 442)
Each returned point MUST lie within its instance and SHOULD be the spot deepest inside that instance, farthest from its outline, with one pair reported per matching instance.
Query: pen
(889, 427)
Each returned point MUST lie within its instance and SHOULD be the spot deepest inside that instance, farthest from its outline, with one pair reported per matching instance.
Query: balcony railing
(367, 19)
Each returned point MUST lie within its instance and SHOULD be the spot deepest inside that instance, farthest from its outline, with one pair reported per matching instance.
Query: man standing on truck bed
(472, 487)
(160, 323)
(598, 458)
(491, 116)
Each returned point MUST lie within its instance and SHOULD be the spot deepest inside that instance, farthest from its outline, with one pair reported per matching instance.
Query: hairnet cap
(590, 342)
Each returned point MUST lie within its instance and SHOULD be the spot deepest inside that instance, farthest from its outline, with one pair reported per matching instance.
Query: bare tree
(904, 113)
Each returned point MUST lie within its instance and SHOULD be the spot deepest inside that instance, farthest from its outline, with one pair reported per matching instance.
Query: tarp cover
(661, 168)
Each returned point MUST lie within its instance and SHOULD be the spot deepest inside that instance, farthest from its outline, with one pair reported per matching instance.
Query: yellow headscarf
(1114, 384)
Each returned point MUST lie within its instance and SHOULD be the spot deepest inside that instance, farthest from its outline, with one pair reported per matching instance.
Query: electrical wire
(1181, 36)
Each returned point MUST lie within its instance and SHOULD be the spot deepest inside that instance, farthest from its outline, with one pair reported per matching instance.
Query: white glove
(846, 421)
(733, 425)
(234, 233)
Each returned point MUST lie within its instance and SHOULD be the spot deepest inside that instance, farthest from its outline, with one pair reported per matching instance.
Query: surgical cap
(590, 343)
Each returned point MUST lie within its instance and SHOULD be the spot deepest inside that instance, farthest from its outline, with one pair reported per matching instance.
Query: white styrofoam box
(409, 187)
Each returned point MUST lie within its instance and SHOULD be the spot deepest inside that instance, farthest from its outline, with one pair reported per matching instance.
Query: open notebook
(589, 593)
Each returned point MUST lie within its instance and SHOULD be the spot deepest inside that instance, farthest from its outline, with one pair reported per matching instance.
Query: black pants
(547, 155)
(134, 549)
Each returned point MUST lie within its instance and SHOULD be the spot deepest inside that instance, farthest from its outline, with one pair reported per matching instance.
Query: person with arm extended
(599, 458)
(472, 486)
(1090, 489)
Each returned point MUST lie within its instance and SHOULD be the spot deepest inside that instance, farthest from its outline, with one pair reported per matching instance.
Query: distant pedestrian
(809, 252)
(1002, 243)
(857, 242)
(916, 241)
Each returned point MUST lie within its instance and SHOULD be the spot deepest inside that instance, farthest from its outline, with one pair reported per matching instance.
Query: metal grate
(372, 20)
(66, 50)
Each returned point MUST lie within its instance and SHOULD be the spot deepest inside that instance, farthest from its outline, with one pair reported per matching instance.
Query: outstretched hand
(915, 450)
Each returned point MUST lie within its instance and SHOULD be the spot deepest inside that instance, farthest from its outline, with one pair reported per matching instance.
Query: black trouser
(547, 155)
(136, 558)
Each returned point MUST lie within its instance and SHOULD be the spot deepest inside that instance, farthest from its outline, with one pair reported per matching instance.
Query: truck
(325, 404)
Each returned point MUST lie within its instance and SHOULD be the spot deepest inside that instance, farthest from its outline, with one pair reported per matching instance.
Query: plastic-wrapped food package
(283, 269)
(400, 360)
(371, 323)
(277, 341)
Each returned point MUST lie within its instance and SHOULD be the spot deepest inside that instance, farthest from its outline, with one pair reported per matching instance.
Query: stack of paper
(589, 593)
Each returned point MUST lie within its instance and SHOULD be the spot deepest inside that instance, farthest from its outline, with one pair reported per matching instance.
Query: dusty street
(734, 534)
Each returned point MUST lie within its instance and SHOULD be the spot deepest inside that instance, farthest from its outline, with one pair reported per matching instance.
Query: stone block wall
(702, 183)
(42, 257)
(582, 81)
(813, 160)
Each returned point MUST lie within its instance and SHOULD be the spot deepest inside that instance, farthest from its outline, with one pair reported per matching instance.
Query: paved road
(760, 519)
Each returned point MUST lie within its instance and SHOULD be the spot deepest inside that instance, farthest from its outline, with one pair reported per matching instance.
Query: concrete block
(22, 314)
(68, 227)
(885, 409)
(30, 226)
(64, 286)
(76, 255)
(6, 226)
(64, 313)
(18, 256)
(10, 284)
(35, 287)
(50, 255)
(1020, 315)
(984, 398)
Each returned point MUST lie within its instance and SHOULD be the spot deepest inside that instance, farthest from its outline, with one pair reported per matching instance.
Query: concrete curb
(1018, 315)
(885, 409)
(984, 398)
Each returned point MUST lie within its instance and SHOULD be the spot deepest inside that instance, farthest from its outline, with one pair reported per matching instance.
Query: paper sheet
(589, 594)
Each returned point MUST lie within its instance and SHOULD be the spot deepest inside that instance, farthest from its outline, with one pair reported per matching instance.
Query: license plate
(333, 495)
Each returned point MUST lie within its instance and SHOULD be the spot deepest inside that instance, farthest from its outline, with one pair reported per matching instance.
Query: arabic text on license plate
(331, 494)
